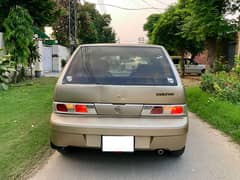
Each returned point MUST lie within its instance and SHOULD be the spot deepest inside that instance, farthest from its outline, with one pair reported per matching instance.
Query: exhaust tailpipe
(160, 152)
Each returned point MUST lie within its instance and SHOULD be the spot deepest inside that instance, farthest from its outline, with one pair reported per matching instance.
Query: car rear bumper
(149, 133)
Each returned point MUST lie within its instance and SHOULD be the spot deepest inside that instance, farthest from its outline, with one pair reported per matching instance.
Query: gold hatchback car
(120, 98)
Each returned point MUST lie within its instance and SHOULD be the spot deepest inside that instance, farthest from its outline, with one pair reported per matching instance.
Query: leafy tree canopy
(150, 24)
(190, 23)
(60, 27)
(167, 31)
(92, 26)
(206, 19)
(43, 12)
(18, 34)
(206, 22)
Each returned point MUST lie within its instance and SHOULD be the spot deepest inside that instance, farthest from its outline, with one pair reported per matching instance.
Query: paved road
(209, 156)
(51, 74)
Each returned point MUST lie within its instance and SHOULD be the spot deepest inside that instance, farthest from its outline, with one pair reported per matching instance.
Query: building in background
(52, 55)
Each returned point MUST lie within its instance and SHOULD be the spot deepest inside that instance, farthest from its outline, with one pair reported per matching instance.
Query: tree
(87, 32)
(194, 22)
(33, 56)
(43, 12)
(167, 31)
(104, 30)
(92, 26)
(18, 36)
(60, 27)
(206, 22)
(150, 24)
(5, 70)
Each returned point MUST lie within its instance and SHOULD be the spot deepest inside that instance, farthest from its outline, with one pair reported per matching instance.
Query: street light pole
(73, 24)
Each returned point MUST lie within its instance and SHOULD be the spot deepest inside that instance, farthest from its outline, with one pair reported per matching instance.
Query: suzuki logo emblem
(117, 109)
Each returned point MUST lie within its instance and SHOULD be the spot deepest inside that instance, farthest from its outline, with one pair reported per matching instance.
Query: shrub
(222, 84)
(225, 86)
(221, 64)
(5, 71)
(207, 83)
(237, 65)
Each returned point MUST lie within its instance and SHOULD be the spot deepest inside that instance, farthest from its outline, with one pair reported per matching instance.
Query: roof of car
(120, 45)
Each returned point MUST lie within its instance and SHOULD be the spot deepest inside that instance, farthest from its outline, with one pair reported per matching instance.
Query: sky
(128, 24)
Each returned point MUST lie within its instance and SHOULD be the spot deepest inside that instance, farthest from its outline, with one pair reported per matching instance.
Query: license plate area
(118, 143)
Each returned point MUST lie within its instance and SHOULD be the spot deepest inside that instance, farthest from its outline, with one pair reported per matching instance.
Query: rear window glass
(120, 66)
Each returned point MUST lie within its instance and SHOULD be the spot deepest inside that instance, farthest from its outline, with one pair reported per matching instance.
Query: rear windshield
(120, 66)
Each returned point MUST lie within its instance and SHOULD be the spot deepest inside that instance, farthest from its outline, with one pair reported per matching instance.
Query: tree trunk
(182, 65)
(15, 74)
(31, 69)
(222, 48)
(21, 74)
(211, 45)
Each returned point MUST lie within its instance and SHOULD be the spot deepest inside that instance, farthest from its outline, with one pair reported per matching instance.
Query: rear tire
(60, 149)
(177, 153)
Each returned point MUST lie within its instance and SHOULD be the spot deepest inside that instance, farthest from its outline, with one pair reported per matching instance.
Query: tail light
(163, 110)
(157, 110)
(74, 108)
(61, 107)
(177, 110)
(81, 108)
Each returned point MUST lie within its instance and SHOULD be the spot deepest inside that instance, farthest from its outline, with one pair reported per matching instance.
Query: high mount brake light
(74, 108)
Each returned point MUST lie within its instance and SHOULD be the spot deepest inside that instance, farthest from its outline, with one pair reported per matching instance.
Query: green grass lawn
(221, 114)
(24, 126)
